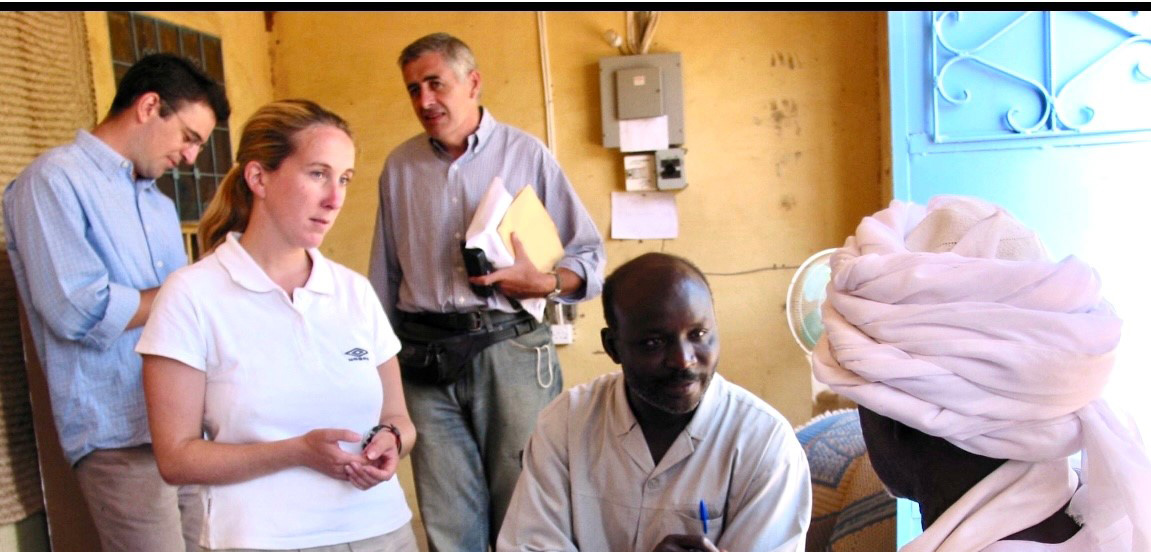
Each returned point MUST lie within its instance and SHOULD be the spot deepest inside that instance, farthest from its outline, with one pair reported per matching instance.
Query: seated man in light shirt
(666, 455)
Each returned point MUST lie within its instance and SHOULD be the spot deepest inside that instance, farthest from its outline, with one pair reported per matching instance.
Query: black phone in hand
(476, 263)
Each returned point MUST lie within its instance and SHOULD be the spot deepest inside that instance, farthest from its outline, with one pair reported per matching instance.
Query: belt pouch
(430, 359)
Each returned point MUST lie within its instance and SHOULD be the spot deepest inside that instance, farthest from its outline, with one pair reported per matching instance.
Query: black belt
(471, 321)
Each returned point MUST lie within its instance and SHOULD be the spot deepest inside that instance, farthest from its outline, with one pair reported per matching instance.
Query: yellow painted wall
(784, 132)
(361, 81)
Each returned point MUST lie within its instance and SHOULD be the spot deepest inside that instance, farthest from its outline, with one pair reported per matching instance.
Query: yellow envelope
(528, 218)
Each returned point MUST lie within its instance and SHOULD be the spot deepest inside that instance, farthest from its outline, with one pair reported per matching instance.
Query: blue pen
(703, 516)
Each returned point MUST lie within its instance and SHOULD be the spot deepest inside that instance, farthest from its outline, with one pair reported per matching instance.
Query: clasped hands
(375, 464)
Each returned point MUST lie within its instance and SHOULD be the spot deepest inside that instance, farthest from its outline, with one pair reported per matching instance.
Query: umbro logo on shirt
(356, 354)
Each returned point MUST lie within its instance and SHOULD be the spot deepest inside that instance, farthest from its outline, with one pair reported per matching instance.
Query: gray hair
(454, 51)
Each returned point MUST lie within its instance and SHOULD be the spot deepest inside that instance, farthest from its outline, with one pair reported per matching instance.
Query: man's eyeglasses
(191, 137)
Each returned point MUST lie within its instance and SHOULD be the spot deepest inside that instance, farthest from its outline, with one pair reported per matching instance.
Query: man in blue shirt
(90, 239)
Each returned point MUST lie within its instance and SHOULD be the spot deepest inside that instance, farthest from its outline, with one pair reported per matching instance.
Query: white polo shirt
(277, 368)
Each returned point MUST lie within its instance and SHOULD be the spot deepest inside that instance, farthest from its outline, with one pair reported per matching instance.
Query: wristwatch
(559, 287)
(391, 429)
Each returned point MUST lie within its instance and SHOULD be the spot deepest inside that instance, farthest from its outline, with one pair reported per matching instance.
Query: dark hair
(454, 51)
(176, 80)
(644, 263)
(268, 138)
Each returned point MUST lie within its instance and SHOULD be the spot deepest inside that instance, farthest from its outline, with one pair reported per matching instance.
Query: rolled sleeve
(592, 275)
(68, 281)
(583, 244)
(123, 302)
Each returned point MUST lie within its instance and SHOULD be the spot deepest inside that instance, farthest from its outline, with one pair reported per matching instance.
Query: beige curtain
(45, 95)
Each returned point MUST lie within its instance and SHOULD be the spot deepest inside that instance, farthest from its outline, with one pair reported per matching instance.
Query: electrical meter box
(640, 87)
(638, 93)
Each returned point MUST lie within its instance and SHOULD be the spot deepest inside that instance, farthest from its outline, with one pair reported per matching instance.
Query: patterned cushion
(851, 511)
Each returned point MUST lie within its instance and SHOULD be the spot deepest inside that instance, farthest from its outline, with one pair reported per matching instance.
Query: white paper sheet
(643, 215)
(643, 134)
(482, 232)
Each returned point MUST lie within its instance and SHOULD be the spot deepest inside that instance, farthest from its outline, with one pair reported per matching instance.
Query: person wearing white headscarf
(952, 320)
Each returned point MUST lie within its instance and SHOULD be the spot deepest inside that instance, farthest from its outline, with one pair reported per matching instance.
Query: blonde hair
(268, 138)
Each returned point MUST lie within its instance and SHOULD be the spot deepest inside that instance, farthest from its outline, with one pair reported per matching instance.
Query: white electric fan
(805, 298)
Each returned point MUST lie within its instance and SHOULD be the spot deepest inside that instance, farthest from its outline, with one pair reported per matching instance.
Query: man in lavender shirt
(473, 422)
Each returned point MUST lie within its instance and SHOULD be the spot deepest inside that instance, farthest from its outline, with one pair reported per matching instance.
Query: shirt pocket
(686, 519)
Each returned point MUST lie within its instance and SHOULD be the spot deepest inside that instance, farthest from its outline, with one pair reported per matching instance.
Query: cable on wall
(545, 68)
(641, 30)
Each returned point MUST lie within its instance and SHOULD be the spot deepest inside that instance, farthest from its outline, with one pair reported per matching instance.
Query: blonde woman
(270, 371)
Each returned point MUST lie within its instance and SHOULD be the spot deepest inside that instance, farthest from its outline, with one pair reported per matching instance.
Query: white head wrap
(952, 320)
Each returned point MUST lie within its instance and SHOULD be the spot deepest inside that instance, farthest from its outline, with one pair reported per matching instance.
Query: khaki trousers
(400, 540)
(133, 508)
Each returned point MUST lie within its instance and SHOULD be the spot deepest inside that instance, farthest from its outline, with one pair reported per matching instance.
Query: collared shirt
(84, 237)
(427, 201)
(589, 482)
(275, 367)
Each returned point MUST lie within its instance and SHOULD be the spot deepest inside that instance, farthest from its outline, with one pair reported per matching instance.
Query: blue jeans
(471, 436)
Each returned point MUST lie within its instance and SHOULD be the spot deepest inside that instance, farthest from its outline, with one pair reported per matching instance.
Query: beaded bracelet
(392, 429)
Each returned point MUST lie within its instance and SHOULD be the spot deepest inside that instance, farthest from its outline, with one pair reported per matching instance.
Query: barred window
(134, 36)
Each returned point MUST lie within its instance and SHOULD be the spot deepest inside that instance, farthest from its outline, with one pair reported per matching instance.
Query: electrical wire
(640, 31)
(649, 31)
(631, 30)
(545, 68)
(774, 266)
(753, 270)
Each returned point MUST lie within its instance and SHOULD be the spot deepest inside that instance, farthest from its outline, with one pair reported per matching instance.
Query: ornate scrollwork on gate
(1039, 74)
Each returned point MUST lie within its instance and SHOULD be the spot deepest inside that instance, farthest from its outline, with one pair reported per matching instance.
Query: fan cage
(795, 299)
